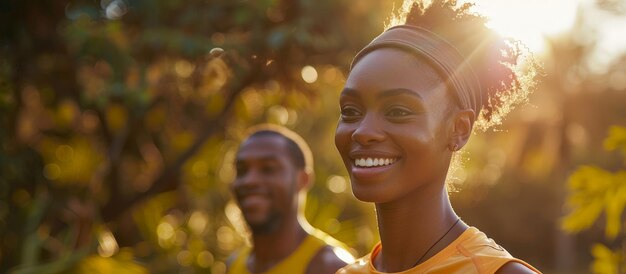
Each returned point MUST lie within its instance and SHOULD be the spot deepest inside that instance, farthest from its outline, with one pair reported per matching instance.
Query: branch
(169, 177)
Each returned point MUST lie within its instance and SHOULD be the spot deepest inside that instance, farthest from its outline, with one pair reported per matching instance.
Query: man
(274, 171)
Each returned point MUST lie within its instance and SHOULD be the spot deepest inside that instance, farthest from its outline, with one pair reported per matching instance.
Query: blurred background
(119, 121)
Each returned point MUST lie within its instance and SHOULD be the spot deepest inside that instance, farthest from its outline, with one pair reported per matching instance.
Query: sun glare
(529, 21)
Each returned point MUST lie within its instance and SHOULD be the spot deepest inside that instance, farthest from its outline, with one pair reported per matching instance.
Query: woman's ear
(463, 122)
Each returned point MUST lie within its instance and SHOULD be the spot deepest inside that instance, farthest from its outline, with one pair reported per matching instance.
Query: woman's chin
(369, 194)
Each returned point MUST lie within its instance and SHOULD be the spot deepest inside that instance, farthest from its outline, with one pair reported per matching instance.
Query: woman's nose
(369, 131)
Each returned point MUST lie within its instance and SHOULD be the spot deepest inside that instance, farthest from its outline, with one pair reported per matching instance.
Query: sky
(532, 20)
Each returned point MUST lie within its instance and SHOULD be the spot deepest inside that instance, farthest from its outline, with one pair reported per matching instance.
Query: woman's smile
(368, 162)
(370, 165)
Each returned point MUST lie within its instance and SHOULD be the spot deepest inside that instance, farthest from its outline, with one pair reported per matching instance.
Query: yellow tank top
(297, 262)
(472, 252)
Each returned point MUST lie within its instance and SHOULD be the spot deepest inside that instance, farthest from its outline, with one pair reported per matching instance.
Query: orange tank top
(472, 252)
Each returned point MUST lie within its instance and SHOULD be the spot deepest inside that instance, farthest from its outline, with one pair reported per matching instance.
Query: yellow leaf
(605, 260)
(66, 113)
(73, 162)
(181, 141)
(582, 217)
(118, 264)
(615, 202)
(616, 139)
(116, 117)
(589, 178)
(215, 104)
(155, 118)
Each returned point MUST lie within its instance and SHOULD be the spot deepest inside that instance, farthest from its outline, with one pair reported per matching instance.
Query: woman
(411, 100)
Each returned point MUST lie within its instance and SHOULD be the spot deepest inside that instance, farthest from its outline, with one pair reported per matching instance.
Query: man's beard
(270, 224)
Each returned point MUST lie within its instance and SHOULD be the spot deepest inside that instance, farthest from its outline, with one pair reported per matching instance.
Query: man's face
(265, 186)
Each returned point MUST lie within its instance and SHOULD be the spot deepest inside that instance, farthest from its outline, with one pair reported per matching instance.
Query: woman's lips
(373, 162)
(367, 169)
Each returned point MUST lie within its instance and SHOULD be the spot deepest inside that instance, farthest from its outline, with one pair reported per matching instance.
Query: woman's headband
(444, 57)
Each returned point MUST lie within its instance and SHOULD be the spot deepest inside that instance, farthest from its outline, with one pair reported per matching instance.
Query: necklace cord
(431, 247)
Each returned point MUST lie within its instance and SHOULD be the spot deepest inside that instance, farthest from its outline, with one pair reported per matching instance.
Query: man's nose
(369, 130)
(251, 178)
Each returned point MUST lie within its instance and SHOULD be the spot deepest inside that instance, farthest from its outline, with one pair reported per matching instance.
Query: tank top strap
(238, 265)
(299, 260)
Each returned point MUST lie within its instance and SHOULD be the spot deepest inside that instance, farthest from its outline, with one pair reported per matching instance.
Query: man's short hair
(299, 150)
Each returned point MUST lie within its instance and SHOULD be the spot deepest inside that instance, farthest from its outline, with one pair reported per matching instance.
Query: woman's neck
(411, 225)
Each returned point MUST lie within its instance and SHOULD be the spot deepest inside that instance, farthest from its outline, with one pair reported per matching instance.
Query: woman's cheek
(342, 136)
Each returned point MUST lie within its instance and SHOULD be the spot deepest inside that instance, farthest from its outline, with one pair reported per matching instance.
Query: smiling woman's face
(394, 126)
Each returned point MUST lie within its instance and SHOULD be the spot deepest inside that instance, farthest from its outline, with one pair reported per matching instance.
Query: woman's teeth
(369, 162)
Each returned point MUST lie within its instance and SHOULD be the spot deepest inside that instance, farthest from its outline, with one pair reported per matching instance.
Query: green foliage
(117, 133)
(119, 123)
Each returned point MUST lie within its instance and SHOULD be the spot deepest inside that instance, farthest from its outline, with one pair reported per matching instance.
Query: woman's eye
(349, 113)
(398, 112)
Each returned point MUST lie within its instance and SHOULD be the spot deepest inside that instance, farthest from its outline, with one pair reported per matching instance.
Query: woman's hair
(505, 68)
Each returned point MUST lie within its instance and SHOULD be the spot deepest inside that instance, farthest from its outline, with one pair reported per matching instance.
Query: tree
(593, 191)
(118, 119)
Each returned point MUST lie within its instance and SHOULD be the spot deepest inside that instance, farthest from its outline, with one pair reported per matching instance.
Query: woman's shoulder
(476, 243)
(516, 268)
(490, 256)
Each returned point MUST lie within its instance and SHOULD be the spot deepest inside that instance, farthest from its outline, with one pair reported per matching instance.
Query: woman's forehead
(392, 69)
(388, 69)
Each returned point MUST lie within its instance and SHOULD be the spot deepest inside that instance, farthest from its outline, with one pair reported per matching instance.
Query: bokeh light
(205, 259)
(107, 244)
(119, 132)
(309, 74)
(114, 9)
(184, 258)
(198, 222)
(337, 184)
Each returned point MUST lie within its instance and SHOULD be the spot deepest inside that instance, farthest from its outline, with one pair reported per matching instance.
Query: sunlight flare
(529, 21)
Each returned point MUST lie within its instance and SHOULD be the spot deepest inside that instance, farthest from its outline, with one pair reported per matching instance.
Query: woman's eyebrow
(399, 91)
(386, 93)
(349, 92)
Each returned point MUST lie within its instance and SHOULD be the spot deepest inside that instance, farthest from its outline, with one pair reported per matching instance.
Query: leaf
(33, 243)
(593, 190)
(121, 264)
(582, 217)
(58, 266)
(615, 202)
(117, 117)
(605, 260)
(616, 139)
